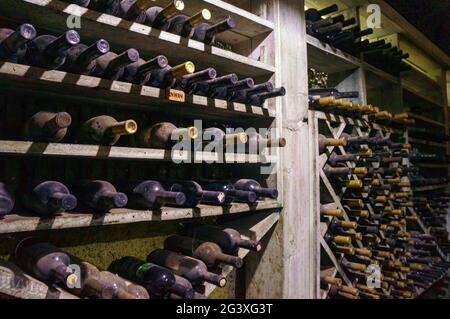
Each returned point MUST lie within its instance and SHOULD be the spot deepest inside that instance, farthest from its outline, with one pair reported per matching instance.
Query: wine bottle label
(175, 95)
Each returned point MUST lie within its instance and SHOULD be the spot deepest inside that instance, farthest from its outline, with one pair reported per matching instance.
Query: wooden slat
(428, 188)
(52, 15)
(426, 119)
(26, 148)
(20, 223)
(427, 143)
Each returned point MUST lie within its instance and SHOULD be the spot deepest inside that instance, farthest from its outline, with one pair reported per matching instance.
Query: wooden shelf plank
(324, 57)
(427, 143)
(432, 165)
(16, 283)
(20, 78)
(26, 148)
(376, 77)
(20, 223)
(255, 228)
(412, 91)
(122, 34)
(428, 188)
(425, 119)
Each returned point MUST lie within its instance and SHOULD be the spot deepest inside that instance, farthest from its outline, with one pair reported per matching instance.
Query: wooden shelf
(432, 165)
(18, 284)
(349, 121)
(14, 223)
(25, 148)
(378, 78)
(416, 94)
(254, 227)
(425, 119)
(122, 34)
(20, 78)
(324, 57)
(428, 188)
(427, 143)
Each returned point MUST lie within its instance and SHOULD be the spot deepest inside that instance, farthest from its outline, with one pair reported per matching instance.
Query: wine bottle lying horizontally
(105, 130)
(6, 200)
(47, 126)
(12, 42)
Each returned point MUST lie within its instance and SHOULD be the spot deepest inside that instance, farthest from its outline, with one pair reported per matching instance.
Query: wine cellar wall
(330, 158)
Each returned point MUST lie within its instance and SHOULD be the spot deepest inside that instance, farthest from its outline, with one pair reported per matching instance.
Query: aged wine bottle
(256, 142)
(188, 267)
(244, 96)
(140, 71)
(184, 25)
(112, 65)
(151, 195)
(208, 252)
(205, 88)
(185, 82)
(182, 289)
(334, 93)
(49, 198)
(314, 14)
(253, 186)
(159, 18)
(105, 130)
(100, 196)
(207, 33)
(218, 136)
(45, 262)
(48, 51)
(196, 195)
(82, 59)
(225, 93)
(163, 135)
(325, 142)
(228, 239)
(6, 200)
(134, 10)
(47, 126)
(231, 194)
(158, 281)
(331, 212)
(166, 77)
(259, 99)
(12, 43)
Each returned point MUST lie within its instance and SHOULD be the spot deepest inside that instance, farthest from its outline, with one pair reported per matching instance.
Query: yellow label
(175, 95)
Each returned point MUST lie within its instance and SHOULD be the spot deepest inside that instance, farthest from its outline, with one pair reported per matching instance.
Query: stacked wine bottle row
(346, 35)
(169, 18)
(52, 127)
(375, 244)
(65, 52)
(330, 100)
(96, 196)
(177, 271)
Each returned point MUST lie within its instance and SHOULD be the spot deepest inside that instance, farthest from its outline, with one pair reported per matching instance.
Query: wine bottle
(332, 92)
(151, 195)
(208, 252)
(244, 96)
(228, 239)
(231, 194)
(163, 135)
(100, 196)
(6, 200)
(335, 159)
(196, 195)
(166, 77)
(184, 25)
(253, 186)
(331, 212)
(256, 142)
(158, 281)
(188, 267)
(185, 82)
(314, 14)
(139, 72)
(112, 65)
(49, 198)
(325, 142)
(226, 92)
(205, 88)
(12, 42)
(182, 289)
(134, 10)
(159, 17)
(47, 126)
(45, 261)
(82, 59)
(105, 130)
(218, 136)
(48, 51)
(259, 99)
(207, 33)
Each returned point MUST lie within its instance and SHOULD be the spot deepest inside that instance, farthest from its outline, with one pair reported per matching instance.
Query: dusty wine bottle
(48, 51)
(151, 195)
(259, 99)
(166, 77)
(12, 42)
(253, 186)
(139, 72)
(244, 96)
(45, 261)
(314, 14)
(82, 59)
(231, 194)
(183, 25)
(163, 135)
(206, 33)
(228, 239)
(208, 252)
(112, 65)
(6, 200)
(47, 126)
(226, 92)
(49, 198)
(159, 17)
(205, 88)
(105, 130)
(100, 196)
(185, 82)
(188, 267)
(196, 195)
